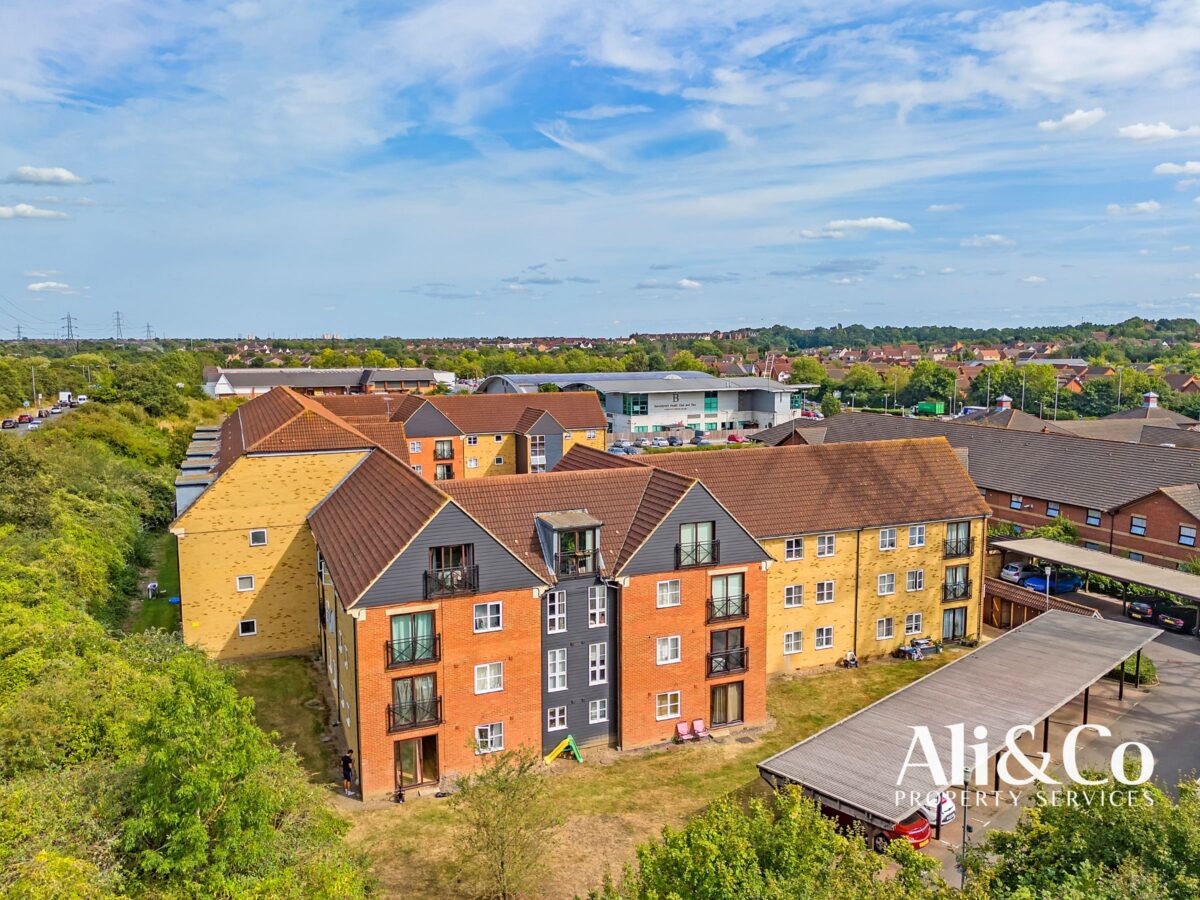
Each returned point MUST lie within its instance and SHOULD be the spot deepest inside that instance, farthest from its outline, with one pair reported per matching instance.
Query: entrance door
(954, 624)
(726, 705)
(416, 761)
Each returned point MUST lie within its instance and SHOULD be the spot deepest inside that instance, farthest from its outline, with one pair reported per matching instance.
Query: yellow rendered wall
(486, 452)
(272, 492)
(848, 571)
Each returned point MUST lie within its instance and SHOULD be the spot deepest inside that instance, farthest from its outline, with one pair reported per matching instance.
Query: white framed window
(556, 718)
(597, 606)
(489, 678)
(598, 663)
(499, 438)
(258, 537)
(556, 670)
(597, 711)
(668, 593)
(824, 591)
(793, 595)
(793, 548)
(245, 582)
(666, 705)
(418, 468)
(887, 583)
(1187, 535)
(556, 612)
(1093, 517)
(916, 535)
(914, 580)
(887, 538)
(824, 638)
(472, 463)
(1052, 509)
(885, 628)
(825, 544)
(669, 650)
(247, 627)
(914, 623)
(489, 617)
(1137, 525)
(591, 436)
(793, 642)
(472, 440)
(489, 738)
(414, 446)
(499, 460)
(1015, 501)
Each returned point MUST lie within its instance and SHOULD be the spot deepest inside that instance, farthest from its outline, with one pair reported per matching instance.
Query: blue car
(1060, 583)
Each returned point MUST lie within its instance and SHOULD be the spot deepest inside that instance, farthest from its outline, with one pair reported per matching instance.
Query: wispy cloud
(984, 241)
(1033, 279)
(943, 207)
(603, 111)
(841, 228)
(50, 287)
(50, 175)
(1146, 207)
(1187, 168)
(25, 211)
(683, 284)
(1080, 120)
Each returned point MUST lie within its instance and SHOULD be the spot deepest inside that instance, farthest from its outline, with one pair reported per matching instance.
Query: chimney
(1149, 399)
(1004, 402)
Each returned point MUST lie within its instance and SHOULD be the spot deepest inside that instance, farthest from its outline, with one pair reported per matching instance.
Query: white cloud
(35, 175)
(1146, 207)
(840, 228)
(683, 284)
(947, 270)
(560, 134)
(41, 273)
(943, 207)
(987, 240)
(688, 284)
(1188, 168)
(1079, 120)
(25, 211)
(603, 111)
(1156, 131)
(1033, 279)
(847, 279)
(50, 287)
(1182, 248)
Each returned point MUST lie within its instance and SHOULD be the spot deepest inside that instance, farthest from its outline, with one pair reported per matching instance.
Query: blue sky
(554, 167)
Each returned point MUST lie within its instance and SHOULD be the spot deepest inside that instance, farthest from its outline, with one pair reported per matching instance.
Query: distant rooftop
(642, 382)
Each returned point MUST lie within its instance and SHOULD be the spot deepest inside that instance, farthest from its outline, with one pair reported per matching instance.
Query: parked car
(1143, 610)
(43, 413)
(1018, 572)
(622, 443)
(55, 410)
(1060, 582)
(736, 439)
(700, 440)
(1172, 622)
(915, 829)
(616, 450)
(24, 419)
(9, 423)
(82, 398)
(949, 809)
(74, 403)
(34, 424)
(642, 442)
(660, 442)
(634, 451)
(674, 441)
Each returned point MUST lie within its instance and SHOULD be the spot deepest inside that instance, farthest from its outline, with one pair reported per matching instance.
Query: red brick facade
(642, 678)
(518, 705)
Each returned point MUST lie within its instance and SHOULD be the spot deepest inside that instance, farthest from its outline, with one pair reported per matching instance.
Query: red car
(915, 829)
(736, 439)
(24, 418)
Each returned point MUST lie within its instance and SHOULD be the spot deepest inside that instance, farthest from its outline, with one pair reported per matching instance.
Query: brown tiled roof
(1012, 419)
(630, 502)
(368, 519)
(356, 405)
(408, 405)
(831, 487)
(1157, 414)
(584, 458)
(502, 413)
(1186, 495)
(388, 435)
(777, 434)
(531, 417)
(994, 587)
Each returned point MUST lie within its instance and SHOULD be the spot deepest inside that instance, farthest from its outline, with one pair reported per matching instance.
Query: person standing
(348, 773)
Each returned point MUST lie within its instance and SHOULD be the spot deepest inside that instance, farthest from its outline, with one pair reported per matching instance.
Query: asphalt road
(22, 430)
(1168, 720)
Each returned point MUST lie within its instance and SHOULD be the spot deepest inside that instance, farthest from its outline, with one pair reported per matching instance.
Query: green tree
(830, 405)
(864, 383)
(685, 361)
(504, 818)
(928, 381)
(807, 370)
(374, 359)
(150, 388)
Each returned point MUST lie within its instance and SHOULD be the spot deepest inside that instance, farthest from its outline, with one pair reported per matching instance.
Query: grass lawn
(288, 704)
(611, 807)
(158, 613)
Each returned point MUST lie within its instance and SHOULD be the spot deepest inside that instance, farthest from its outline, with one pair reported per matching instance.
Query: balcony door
(728, 596)
(696, 543)
(416, 761)
(954, 624)
(414, 701)
(728, 651)
(726, 704)
(412, 639)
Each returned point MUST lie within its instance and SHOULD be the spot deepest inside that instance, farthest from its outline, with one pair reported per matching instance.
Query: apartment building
(640, 402)
(872, 543)
(1111, 491)
(606, 605)
(456, 436)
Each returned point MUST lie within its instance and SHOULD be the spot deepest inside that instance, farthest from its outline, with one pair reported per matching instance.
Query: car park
(1143, 610)
(701, 441)
(1061, 582)
(623, 444)
(949, 809)
(1018, 572)
(634, 451)
(1172, 622)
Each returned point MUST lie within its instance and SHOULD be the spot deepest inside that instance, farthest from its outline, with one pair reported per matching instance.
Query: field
(164, 569)
(610, 803)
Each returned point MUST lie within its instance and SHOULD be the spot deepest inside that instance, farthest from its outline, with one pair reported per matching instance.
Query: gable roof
(504, 413)
(1014, 419)
(1186, 495)
(631, 502)
(784, 431)
(531, 417)
(367, 521)
(1076, 470)
(779, 491)
(1157, 414)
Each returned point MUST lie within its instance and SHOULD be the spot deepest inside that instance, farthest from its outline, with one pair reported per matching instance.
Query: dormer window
(576, 551)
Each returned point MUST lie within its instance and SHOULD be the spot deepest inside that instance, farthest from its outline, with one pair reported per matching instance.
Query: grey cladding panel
(428, 422)
(698, 505)
(403, 582)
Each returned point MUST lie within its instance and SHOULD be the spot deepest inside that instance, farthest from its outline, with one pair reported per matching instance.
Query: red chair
(698, 729)
(682, 733)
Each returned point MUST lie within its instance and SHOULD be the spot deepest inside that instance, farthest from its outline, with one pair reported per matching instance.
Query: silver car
(1018, 572)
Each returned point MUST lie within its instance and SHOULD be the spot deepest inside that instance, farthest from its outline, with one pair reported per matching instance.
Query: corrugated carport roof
(1169, 581)
(1017, 679)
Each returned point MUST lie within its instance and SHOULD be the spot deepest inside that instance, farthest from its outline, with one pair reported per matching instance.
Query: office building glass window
(635, 404)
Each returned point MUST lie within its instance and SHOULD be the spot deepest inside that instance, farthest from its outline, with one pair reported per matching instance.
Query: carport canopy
(1131, 571)
(857, 766)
